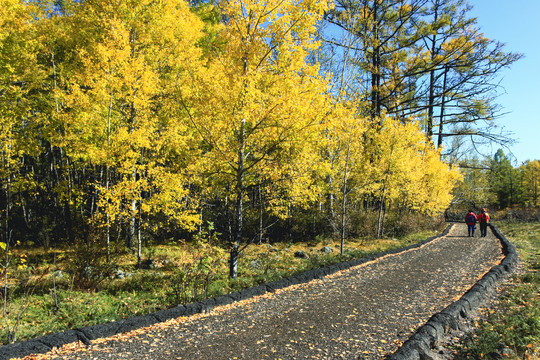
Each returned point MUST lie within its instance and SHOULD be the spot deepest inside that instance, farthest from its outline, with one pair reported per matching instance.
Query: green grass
(185, 273)
(512, 329)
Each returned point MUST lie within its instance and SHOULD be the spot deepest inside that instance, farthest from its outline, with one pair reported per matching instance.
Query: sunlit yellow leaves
(344, 162)
(125, 60)
(393, 161)
(20, 76)
(258, 106)
(413, 172)
(17, 43)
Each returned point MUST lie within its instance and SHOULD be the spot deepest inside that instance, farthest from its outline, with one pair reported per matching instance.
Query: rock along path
(364, 312)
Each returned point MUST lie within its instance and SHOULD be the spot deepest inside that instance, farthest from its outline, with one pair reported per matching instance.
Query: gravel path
(361, 313)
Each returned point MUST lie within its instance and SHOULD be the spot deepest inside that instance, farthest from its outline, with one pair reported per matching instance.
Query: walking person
(470, 220)
(483, 219)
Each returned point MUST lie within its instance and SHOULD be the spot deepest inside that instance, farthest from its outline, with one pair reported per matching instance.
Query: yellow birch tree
(126, 58)
(257, 107)
(345, 167)
(409, 170)
(19, 76)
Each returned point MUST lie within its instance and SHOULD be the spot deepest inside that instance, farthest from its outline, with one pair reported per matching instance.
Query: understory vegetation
(511, 330)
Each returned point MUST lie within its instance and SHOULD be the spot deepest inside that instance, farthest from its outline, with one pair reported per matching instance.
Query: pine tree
(505, 181)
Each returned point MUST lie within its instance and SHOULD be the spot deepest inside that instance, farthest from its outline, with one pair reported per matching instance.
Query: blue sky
(517, 24)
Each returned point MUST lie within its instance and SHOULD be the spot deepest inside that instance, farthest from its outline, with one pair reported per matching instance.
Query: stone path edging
(420, 344)
(46, 343)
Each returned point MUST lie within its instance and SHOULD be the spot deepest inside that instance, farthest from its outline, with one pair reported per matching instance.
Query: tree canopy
(131, 120)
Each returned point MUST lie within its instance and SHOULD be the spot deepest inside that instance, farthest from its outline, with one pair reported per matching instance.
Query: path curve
(365, 312)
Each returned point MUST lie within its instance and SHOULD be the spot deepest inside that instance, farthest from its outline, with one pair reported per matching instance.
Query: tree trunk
(139, 238)
(261, 213)
(344, 200)
(376, 68)
(431, 101)
(107, 179)
(132, 225)
(432, 80)
(441, 116)
(133, 220)
(233, 270)
(381, 210)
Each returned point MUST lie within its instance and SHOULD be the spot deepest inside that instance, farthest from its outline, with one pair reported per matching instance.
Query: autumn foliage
(133, 120)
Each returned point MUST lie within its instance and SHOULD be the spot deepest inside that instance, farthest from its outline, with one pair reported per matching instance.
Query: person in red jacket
(483, 219)
(470, 220)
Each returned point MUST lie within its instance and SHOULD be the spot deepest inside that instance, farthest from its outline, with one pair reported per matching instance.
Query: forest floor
(365, 312)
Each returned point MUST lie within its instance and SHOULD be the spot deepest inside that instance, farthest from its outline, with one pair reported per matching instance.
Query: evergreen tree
(505, 181)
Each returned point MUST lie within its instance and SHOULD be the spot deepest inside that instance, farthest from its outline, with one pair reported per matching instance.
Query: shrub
(88, 264)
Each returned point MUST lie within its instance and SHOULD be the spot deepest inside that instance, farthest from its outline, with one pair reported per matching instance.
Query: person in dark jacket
(483, 219)
(470, 220)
